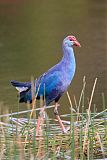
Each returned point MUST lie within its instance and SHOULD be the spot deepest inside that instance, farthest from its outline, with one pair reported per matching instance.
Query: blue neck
(68, 56)
(68, 61)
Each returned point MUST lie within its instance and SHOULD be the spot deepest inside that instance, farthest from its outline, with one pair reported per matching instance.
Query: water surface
(31, 33)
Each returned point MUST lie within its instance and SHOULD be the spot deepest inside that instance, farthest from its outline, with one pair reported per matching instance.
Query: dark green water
(31, 33)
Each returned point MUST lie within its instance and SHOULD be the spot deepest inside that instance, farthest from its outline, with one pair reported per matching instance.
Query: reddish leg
(58, 118)
(40, 118)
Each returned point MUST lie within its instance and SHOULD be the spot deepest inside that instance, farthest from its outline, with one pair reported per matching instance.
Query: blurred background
(31, 34)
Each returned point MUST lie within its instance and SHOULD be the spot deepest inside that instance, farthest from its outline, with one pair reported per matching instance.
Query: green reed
(85, 139)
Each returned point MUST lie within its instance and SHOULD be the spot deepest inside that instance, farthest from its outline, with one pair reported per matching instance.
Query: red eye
(71, 38)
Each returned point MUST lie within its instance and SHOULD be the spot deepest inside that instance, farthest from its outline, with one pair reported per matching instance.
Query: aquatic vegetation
(86, 137)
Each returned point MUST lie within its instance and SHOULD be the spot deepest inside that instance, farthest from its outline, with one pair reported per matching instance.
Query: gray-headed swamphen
(56, 80)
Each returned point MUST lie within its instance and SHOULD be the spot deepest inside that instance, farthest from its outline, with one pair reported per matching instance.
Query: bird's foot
(65, 131)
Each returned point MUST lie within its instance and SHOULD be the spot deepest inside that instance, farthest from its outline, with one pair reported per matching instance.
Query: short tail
(23, 88)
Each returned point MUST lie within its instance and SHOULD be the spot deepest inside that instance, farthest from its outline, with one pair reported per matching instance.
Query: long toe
(66, 130)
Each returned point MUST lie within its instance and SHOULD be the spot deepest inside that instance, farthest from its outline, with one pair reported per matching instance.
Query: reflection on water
(31, 34)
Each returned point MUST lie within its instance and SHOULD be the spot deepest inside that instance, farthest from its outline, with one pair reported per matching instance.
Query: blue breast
(55, 81)
(52, 84)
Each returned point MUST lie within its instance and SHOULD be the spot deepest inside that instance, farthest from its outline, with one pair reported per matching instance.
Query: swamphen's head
(71, 41)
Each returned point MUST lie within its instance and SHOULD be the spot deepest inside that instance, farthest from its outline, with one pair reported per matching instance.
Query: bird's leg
(58, 118)
(40, 117)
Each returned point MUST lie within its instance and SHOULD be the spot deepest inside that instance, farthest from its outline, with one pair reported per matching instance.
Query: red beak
(76, 43)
